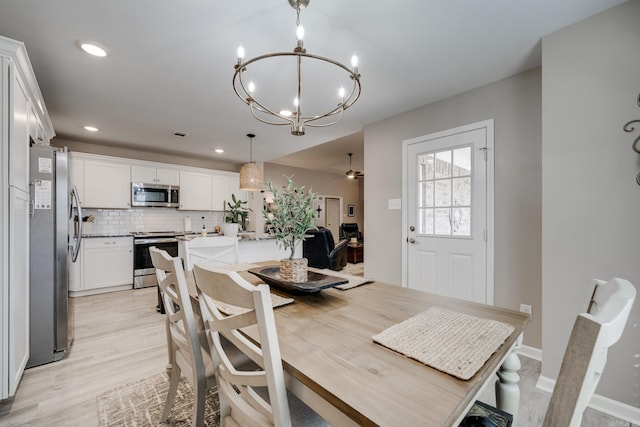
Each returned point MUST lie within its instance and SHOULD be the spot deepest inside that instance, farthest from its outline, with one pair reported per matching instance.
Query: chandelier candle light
(266, 113)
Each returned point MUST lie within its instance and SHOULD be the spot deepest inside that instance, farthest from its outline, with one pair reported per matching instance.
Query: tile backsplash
(108, 221)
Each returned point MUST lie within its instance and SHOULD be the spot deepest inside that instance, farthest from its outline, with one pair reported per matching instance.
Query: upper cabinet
(76, 175)
(105, 182)
(223, 186)
(19, 142)
(220, 192)
(106, 185)
(152, 175)
(195, 191)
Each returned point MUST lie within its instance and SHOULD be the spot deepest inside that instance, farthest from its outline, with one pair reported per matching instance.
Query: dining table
(333, 365)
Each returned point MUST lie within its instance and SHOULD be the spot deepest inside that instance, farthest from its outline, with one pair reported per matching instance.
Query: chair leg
(199, 397)
(171, 395)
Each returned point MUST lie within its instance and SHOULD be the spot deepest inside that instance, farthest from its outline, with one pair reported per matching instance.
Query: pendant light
(250, 174)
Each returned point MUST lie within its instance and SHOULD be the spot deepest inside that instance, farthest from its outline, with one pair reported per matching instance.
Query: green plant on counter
(290, 215)
(236, 211)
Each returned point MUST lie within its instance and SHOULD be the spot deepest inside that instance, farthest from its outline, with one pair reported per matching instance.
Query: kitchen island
(252, 248)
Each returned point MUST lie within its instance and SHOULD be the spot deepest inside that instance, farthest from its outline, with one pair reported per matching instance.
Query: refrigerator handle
(74, 197)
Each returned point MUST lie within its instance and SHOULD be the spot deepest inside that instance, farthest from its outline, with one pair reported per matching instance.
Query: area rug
(354, 269)
(354, 281)
(452, 342)
(140, 404)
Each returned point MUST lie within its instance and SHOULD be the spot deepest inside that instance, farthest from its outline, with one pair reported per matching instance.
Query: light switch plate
(395, 204)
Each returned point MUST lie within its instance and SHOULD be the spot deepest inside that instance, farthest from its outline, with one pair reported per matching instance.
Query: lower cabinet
(106, 264)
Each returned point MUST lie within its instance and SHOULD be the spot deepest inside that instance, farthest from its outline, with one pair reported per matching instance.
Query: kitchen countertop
(246, 236)
(97, 235)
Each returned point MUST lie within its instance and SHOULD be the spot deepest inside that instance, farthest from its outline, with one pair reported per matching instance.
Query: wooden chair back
(211, 251)
(239, 402)
(185, 350)
(586, 355)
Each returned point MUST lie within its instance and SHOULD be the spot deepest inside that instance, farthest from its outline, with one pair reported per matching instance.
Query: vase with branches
(289, 217)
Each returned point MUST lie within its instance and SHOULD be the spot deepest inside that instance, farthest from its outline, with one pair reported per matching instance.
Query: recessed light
(91, 128)
(219, 150)
(93, 48)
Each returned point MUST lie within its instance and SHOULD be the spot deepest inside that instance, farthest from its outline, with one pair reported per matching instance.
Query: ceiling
(171, 64)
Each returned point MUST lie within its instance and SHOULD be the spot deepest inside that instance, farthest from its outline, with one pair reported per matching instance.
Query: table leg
(507, 389)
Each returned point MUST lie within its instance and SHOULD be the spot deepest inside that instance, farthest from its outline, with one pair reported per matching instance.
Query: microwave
(155, 195)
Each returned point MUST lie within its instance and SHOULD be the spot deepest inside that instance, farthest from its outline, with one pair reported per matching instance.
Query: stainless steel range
(144, 275)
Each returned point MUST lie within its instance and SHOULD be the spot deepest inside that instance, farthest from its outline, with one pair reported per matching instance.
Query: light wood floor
(119, 338)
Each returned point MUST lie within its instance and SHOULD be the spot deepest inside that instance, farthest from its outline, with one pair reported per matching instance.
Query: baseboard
(530, 352)
(600, 403)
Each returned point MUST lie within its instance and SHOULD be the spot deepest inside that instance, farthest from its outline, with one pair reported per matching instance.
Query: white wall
(591, 202)
(514, 103)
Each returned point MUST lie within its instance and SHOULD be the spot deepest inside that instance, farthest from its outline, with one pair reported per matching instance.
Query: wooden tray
(316, 282)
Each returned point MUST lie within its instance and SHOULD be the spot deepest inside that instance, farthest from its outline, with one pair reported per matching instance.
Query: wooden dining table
(332, 363)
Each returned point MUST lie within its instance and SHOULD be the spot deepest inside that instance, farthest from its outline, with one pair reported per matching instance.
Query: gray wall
(591, 78)
(321, 183)
(514, 103)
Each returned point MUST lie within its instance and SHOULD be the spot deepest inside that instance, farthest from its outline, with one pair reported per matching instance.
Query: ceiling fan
(351, 174)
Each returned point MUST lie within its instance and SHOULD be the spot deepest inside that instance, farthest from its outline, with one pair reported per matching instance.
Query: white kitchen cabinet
(36, 131)
(106, 262)
(76, 175)
(151, 175)
(234, 187)
(220, 192)
(223, 186)
(195, 191)
(18, 92)
(19, 143)
(106, 185)
(18, 317)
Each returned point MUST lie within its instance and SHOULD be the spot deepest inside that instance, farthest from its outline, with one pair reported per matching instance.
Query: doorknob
(412, 228)
(412, 240)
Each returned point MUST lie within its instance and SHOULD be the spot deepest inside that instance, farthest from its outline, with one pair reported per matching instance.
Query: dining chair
(243, 401)
(594, 331)
(212, 250)
(188, 348)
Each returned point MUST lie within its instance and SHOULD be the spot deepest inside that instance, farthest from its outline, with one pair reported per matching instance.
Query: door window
(444, 192)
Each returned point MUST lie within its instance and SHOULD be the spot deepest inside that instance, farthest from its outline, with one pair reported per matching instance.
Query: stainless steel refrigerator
(53, 206)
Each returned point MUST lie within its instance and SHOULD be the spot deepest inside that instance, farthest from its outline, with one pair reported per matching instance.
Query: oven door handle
(154, 240)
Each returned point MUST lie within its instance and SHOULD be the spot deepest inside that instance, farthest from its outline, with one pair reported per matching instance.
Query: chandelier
(250, 173)
(266, 112)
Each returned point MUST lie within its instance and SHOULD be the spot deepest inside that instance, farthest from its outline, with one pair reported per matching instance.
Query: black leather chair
(321, 251)
(349, 230)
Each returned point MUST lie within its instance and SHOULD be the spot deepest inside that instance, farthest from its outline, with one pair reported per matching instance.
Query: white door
(333, 216)
(446, 213)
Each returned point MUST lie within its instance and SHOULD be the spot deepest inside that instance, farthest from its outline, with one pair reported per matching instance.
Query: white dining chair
(594, 331)
(586, 355)
(188, 348)
(243, 401)
(212, 251)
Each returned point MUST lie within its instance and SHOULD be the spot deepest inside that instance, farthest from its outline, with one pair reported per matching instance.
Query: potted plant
(235, 215)
(288, 219)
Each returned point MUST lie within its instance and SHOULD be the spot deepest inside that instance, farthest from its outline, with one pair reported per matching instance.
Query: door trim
(485, 124)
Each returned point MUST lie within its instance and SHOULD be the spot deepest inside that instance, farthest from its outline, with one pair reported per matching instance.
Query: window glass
(444, 199)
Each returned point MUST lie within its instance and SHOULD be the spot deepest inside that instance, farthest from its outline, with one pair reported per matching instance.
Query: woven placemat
(452, 342)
